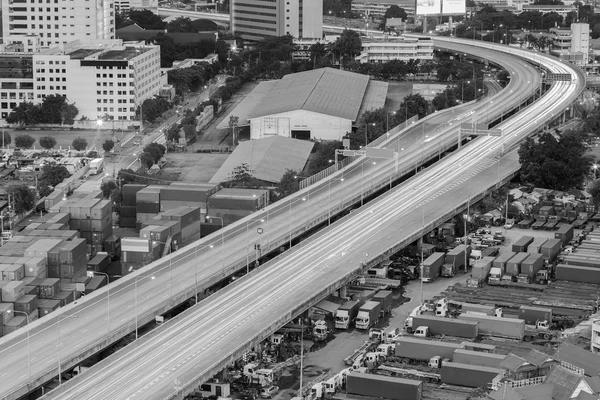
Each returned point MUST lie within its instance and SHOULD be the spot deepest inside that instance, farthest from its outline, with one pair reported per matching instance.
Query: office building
(256, 20)
(100, 78)
(124, 6)
(572, 44)
(389, 48)
(580, 42)
(56, 22)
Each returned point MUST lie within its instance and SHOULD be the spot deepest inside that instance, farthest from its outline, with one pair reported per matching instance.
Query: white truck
(96, 166)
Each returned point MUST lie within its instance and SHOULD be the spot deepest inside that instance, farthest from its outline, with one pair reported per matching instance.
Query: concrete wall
(321, 126)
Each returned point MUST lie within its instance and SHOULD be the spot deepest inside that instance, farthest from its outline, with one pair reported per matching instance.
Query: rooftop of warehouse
(514, 363)
(537, 358)
(268, 159)
(239, 193)
(536, 392)
(580, 358)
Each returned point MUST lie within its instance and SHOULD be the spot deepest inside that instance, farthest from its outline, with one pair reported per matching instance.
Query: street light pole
(59, 343)
(136, 300)
(107, 295)
(222, 242)
(28, 341)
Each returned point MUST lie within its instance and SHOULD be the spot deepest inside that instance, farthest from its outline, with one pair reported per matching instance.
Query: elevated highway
(227, 323)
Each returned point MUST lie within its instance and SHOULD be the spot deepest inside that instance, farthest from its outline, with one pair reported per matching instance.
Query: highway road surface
(209, 257)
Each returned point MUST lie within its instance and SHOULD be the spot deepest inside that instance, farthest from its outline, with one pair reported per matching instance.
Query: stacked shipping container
(234, 204)
(128, 205)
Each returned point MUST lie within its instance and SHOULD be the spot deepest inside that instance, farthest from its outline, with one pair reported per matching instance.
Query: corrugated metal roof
(564, 382)
(536, 392)
(513, 362)
(505, 393)
(326, 91)
(268, 158)
(374, 96)
(580, 358)
(538, 358)
(247, 106)
(327, 306)
(586, 396)
(594, 383)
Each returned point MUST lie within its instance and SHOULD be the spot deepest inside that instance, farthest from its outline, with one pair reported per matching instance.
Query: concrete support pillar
(343, 291)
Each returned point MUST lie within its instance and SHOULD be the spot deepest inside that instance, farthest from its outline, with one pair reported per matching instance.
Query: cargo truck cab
(437, 362)
(422, 331)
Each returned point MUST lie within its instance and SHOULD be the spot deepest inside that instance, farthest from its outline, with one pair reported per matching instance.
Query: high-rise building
(256, 20)
(580, 41)
(56, 22)
(101, 78)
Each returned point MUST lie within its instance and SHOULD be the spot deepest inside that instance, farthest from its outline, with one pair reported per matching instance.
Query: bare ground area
(194, 167)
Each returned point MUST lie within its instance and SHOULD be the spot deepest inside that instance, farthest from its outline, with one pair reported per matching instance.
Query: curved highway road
(225, 320)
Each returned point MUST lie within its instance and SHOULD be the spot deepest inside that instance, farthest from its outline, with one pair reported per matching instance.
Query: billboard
(453, 7)
(429, 7)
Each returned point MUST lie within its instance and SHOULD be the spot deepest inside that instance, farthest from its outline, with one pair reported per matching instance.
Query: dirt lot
(194, 167)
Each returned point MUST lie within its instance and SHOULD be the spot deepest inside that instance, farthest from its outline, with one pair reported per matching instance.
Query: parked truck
(96, 166)
(446, 326)
(576, 273)
(346, 314)
(478, 254)
(478, 309)
(499, 267)
(550, 250)
(480, 272)
(520, 246)
(534, 247)
(531, 315)
(384, 297)
(432, 266)
(415, 351)
(513, 266)
(510, 328)
(368, 315)
(530, 267)
(564, 233)
(455, 260)
(539, 223)
(381, 386)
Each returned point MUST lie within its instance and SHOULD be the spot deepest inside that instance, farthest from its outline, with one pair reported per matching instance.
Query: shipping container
(468, 375)
(149, 194)
(576, 273)
(479, 347)
(112, 245)
(481, 269)
(12, 272)
(564, 233)
(446, 326)
(532, 264)
(99, 263)
(48, 288)
(147, 208)
(34, 266)
(458, 256)
(551, 249)
(16, 323)
(511, 328)
(432, 266)
(412, 348)
(380, 386)
(6, 312)
(42, 247)
(483, 309)
(128, 212)
(65, 297)
(46, 306)
(531, 315)
(513, 266)
(13, 291)
(520, 246)
(203, 190)
(26, 304)
(95, 283)
(502, 259)
(135, 245)
(238, 199)
(129, 194)
(470, 357)
(582, 260)
(72, 250)
(535, 246)
(102, 210)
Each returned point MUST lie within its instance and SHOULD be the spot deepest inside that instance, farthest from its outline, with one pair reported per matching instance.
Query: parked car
(137, 142)
(268, 392)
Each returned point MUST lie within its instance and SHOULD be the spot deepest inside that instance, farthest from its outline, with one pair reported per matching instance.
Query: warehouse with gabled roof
(321, 104)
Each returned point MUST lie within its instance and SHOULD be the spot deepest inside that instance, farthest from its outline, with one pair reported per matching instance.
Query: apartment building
(256, 20)
(572, 44)
(57, 21)
(389, 48)
(100, 78)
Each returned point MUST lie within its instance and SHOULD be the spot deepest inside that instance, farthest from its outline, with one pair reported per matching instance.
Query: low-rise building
(388, 48)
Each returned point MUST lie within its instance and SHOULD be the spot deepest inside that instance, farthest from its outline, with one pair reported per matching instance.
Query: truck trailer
(564, 233)
(432, 267)
(446, 326)
(471, 357)
(346, 314)
(510, 328)
(550, 250)
(480, 272)
(576, 273)
(384, 297)
(531, 315)
(530, 267)
(368, 315)
(535, 246)
(513, 266)
(520, 246)
(468, 375)
(381, 386)
(454, 261)
(502, 259)
(412, 350)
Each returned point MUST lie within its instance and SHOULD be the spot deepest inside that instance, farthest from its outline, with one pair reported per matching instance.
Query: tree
(146, 19)
(53, 174)
(348, 45)
(156, 150)
(554, 164)
(52, 103)
(147, 160)
(108, 145)
(288, 184)
(47, 142)
(24, 114)
(413, 104)
(24, 141)
(5, 138)
(107, 187)
(241, 176)
(22, 197)
(324, 156)
(79, 144)
(371, 125)
(393, 12)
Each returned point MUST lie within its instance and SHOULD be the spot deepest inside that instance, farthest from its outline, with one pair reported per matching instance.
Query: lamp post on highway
(136, 301)
(59, 344)
(92, 273)
(367, 132)
(259, 231)
(387, 124)
(595, 168)
(197, 265)
(28, 341)
(222, 241)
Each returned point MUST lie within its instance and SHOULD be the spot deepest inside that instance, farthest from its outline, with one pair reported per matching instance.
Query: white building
(58, 21)
(572, 44)
(320, 104)
(377, 9)
(595, 342)
(256, 20)
(389, 48)
(124, 6)
(580, 41)
(104, 77)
